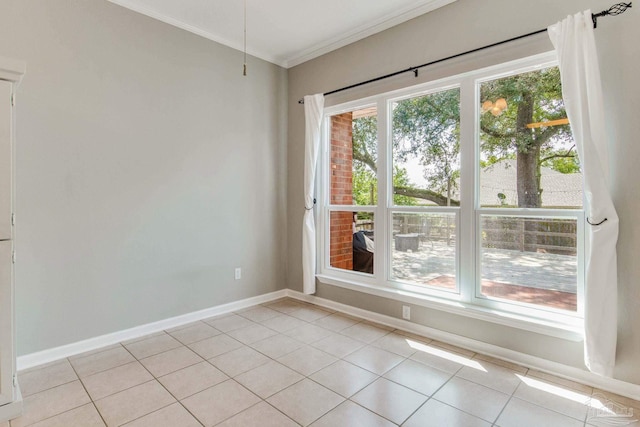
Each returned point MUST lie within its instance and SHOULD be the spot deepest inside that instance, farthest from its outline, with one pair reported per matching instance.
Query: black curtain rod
(616, 9)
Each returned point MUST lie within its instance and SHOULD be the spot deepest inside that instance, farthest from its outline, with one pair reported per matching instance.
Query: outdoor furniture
(405, 242)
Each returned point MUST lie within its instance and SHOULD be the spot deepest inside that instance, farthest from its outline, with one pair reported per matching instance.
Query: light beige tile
(344, 378)
(91, 352)
(268, 379)
(170, 416)
(374, 359)
(46, 378)
(85, 416)
(390, 400)
(413, 337)
(548, 378)
(44, 365)
(214, 346)
(309, 333)
(475, 399)
(170, 361)
(229, 322)
(194, 333)
(554, 397)
(283, 323)
(238, 361)
(336, 322)
(310, 313)
(102, 361)
(260, 415)
(513, 366)
(133, 403)
(54, 401)
(307, 360)
(455, 349)
(437, 414)
(351, 415)
(143, 337)
(616, 398)
(220, 402)
(395, 343)
(305, 401)
(365, 332)
(419, 377)
(114, 380)
(605, 407)
(519, 413)
(286, 306)
(154, 345)
(490, 375)
(277, 345)
(251, 334)
(439, 358)
(338, 345)
(258, 314)
(191, 380)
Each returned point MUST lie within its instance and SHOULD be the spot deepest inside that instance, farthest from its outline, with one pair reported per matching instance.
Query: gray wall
(147, 169)
(462, 26)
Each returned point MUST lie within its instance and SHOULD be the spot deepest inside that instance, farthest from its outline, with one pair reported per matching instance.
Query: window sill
(559, 328)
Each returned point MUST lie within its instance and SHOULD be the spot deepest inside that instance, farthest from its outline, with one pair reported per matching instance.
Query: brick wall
(341, 251)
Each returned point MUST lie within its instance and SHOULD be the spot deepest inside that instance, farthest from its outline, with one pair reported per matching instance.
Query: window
(475, 188)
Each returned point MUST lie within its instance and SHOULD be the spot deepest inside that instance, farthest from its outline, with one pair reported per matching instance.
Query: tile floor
(289, 363)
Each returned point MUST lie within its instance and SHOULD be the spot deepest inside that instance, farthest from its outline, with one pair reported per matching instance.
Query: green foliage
(428, 128)
(531, 97)
(365, 183)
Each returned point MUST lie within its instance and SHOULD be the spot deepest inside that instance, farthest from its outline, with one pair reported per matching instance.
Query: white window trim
(466, 303)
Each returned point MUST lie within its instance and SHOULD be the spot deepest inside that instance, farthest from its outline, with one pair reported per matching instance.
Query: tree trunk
(528, 173)
(528, 180)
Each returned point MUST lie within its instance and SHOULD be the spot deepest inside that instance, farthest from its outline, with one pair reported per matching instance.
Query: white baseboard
(50, 355)
(568, 372)
(558, 369)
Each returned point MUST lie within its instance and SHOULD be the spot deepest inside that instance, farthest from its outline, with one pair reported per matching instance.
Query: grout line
(168, 391)
(87, 391)
(333, 332)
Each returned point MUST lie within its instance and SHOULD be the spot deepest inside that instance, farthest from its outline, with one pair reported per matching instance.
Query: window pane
(354, 157)
(352, 241)
(527, 153)
(424, 249)
(426, 149)
(530, 260)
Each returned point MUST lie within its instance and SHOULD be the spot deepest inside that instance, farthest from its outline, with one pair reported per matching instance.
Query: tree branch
(419, 193)
(495, 134)
(555, 156)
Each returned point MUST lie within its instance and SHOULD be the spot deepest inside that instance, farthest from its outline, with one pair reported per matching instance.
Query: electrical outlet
(406, 312)
(238, 273)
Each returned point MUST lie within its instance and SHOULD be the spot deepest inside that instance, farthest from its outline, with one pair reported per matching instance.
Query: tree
(365, 184)
(428, 127)
(532, 97)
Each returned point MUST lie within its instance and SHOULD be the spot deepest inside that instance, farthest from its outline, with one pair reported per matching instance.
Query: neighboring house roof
(559, 189)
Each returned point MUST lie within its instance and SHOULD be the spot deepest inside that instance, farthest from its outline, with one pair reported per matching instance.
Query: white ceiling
(284, 32)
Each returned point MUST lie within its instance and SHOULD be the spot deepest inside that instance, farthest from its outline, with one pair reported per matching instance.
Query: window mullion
(381, 256)
(468, 155)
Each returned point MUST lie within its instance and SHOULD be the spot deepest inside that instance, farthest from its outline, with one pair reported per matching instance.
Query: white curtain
(575, 46)
(313, 107)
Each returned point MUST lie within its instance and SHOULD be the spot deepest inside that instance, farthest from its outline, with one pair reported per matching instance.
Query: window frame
(467, 300)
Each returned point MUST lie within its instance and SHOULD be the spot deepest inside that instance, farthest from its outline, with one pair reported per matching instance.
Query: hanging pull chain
(244, 66)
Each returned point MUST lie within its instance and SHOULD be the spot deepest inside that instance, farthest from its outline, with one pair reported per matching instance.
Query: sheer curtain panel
(313, 107)
(574, 43)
